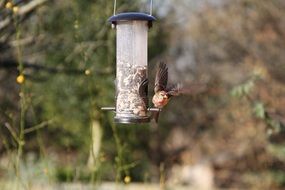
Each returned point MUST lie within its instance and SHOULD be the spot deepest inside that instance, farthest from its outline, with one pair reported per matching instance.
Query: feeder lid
(131, 16)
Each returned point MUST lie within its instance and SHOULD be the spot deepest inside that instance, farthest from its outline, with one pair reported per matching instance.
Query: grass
(103, 186)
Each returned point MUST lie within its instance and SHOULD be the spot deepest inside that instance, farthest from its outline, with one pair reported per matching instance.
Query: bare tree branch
(30, 6)
(23, 10)
(6, 64)
(25, 41)
(5, 23)
(13, 64)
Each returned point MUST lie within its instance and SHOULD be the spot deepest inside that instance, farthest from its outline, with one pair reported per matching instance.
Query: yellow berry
(76, 25)
(8, 5)
(87, 72)
(127, 179)
(15, 9)
(20, 79)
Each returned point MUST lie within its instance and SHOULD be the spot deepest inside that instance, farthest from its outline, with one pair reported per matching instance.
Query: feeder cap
(131, 16)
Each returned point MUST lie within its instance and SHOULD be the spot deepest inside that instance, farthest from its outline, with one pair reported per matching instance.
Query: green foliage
(259, 110)
(275, 126)
(65, 174)
(80, 41)
(279, 177)
(243, 89)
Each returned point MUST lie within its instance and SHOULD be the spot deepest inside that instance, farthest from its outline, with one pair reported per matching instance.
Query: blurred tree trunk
(96, 136)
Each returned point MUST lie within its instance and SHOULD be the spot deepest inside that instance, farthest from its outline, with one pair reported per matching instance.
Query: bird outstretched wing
(143, 89)
(161, 77)
(173, 90)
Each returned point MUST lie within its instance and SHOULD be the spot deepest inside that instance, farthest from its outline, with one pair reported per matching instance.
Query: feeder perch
(131, 67)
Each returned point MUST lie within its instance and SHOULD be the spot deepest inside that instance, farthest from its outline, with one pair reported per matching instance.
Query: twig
(5, 23)
(39, 126)
(78, 49)
(128, 166)
(12, 131)
(25, 41)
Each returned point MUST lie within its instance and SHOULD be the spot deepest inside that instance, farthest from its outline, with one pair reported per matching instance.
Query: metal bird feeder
(131, 67)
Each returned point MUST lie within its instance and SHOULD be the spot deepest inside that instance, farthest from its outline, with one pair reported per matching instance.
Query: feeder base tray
(131, 120)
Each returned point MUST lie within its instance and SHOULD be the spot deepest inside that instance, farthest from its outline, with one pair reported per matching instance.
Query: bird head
(162, 95)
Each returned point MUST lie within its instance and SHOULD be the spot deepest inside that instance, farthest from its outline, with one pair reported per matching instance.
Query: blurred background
(57, 67)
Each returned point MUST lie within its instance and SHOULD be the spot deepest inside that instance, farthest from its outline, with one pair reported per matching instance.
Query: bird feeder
(131, 67)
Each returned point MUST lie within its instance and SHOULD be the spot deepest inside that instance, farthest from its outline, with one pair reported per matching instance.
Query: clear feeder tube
(131, 70)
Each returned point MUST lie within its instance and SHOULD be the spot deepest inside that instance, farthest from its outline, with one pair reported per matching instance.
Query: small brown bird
(162, 92)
